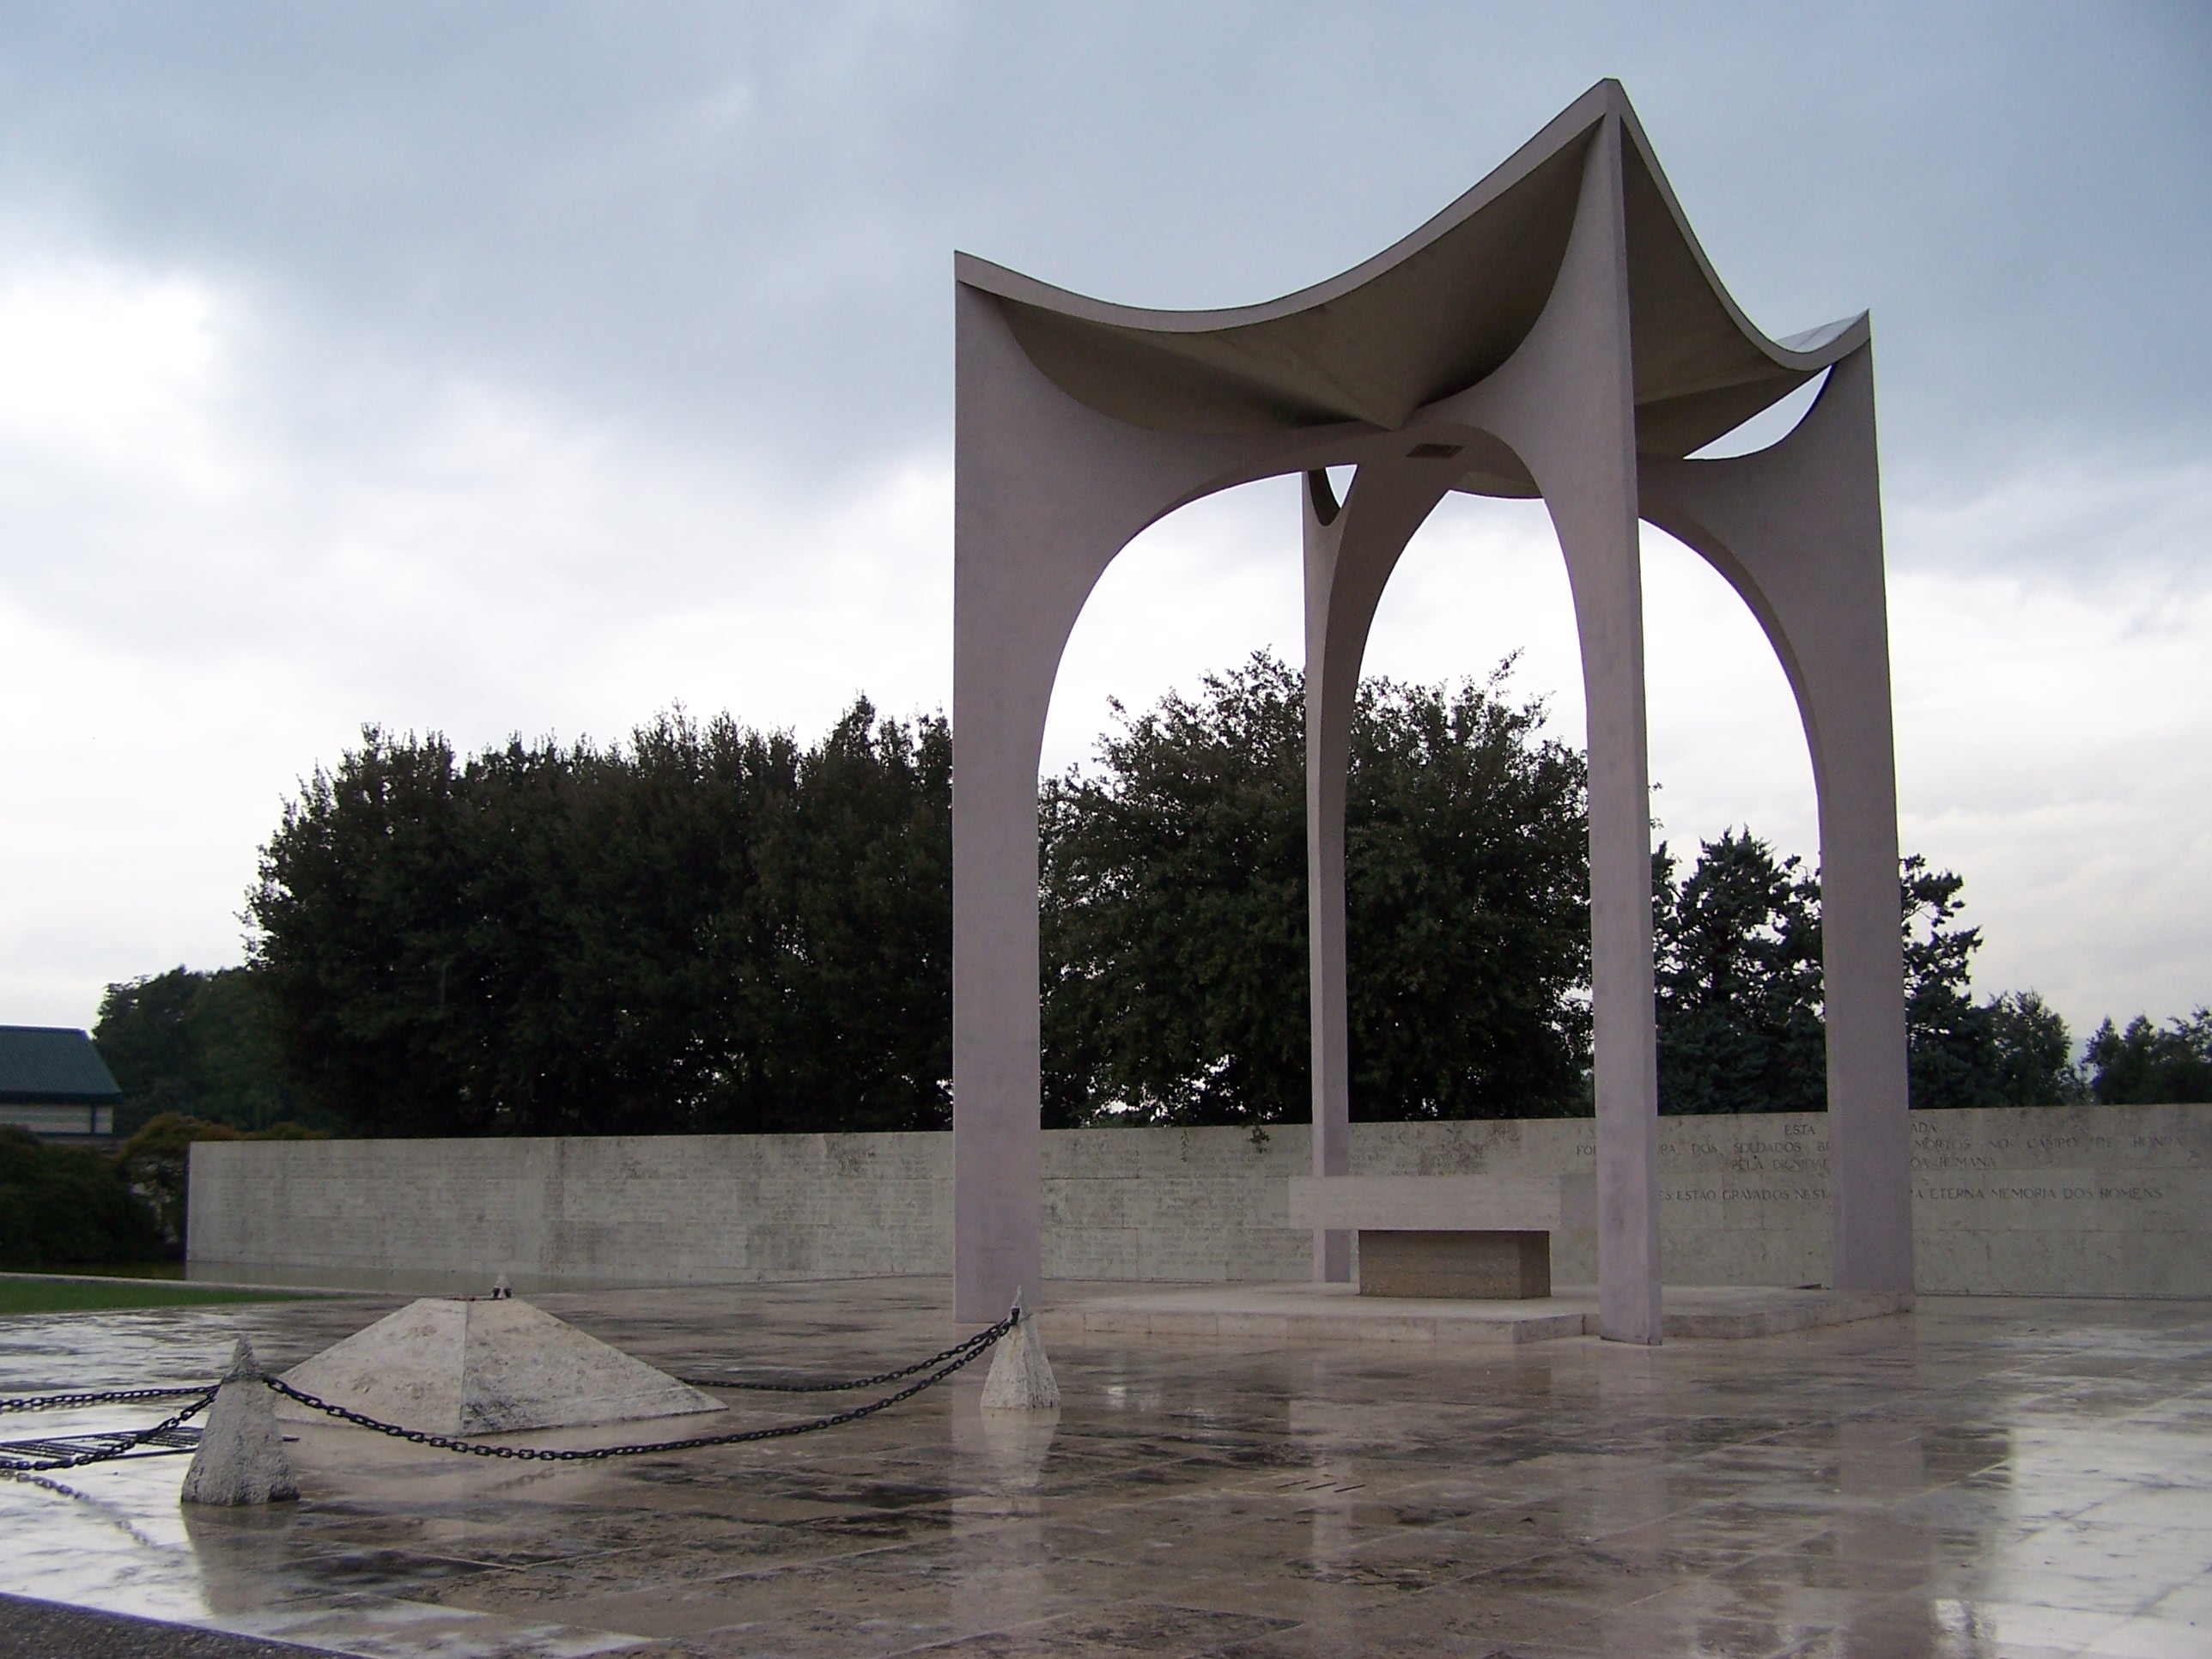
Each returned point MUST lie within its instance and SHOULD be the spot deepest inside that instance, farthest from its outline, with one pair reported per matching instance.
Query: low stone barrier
(2093, 1201)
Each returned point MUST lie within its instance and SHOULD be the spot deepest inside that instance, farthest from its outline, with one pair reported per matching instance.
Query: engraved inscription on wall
(2103, 1200)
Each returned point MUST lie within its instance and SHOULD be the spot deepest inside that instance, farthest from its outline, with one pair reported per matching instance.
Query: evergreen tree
(1737, 982)
(2147, 1066)
(709, 928)
(2032, 1053)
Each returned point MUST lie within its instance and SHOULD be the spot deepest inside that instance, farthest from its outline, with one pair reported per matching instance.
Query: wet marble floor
(1978, 1477)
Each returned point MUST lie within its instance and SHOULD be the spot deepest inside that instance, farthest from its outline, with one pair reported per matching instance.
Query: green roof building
(53, 1083)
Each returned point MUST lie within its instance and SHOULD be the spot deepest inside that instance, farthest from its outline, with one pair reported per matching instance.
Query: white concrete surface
(451, 1367)
(2104, 1200)
(1505, 1204)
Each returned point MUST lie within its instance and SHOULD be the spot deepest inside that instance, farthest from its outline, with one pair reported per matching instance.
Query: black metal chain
(875, 1382)
(53, 1402)
(960, 1355)
(939, 1367)
(128, 1442)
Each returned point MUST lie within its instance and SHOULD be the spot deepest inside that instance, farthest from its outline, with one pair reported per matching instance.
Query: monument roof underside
(1432, 316)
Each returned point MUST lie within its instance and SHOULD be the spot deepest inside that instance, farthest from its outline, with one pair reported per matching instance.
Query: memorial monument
(1557, 332)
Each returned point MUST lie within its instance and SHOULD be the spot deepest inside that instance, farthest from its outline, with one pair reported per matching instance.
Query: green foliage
(712, 929)
(1174, 910)
(2146, 1064)
(1467, 898)
(2012, 1050)
(1737, 982)
(198, 1043)
(2032, 1053)
(66, 1206)
(707, 930)
(1948, 1038)
(155, 1162)
(1740, 1013)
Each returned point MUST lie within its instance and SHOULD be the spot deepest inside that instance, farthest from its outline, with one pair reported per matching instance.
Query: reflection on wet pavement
(1981, 1476)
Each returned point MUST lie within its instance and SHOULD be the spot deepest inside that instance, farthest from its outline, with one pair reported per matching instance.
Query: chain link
(130, 1440)
(54, 1402)
(939, 1367)
(961, 1354)
(875, 1382)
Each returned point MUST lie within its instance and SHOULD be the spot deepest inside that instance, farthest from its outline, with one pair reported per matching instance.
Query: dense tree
(1737, 982)
(858, 877)
(2147, 1065)
(196, 1043)
(67, 1205)
(1174, 909)
(2031, 1052)
(1947, 1036)
(1740, 1013)
(707, 928)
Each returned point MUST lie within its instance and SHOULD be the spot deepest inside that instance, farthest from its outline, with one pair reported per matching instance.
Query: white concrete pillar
(1351, 550)
(1045, 493)
(1565, 403)
(1797, 528)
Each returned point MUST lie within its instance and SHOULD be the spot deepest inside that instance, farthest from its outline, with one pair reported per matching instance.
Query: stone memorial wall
(2114, 1200)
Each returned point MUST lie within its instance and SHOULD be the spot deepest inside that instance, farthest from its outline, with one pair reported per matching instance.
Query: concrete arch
(1556, 332)
(1047, 494)
(1350, 551)
(1795, 529)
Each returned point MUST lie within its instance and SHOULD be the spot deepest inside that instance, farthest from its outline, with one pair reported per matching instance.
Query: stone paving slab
(1976, 1478)
(31, 1629)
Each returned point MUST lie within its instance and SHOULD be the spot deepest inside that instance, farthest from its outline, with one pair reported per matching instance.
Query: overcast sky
(530, 368)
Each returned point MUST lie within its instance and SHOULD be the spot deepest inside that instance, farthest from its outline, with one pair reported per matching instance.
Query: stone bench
(1483, 1237)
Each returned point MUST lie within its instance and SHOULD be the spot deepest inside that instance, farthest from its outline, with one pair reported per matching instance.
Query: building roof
(43, 1065)
(1432, 316)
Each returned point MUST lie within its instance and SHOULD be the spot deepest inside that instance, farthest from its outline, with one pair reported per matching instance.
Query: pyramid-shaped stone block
(479, 1367)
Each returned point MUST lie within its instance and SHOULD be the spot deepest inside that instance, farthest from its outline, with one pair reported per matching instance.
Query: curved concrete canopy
(1557, 331)
(1431, 317)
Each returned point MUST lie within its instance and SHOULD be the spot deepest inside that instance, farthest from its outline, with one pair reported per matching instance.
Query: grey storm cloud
(512, 366)
(737, 220)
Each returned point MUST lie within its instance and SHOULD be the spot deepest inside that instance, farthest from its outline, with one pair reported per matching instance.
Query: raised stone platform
(1337, 1313)
(1977, 1478)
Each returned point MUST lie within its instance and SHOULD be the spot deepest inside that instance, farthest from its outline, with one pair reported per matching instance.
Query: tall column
(1045, 493)
(1021, 572)
(1797, 528)
(1350, 552)
(1566, 403)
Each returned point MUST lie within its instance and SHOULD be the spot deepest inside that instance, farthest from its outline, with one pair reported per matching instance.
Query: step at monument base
(1338, 1313)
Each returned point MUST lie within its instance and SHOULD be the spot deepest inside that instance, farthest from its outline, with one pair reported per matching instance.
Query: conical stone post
(241, 1458)
(1021, 1379)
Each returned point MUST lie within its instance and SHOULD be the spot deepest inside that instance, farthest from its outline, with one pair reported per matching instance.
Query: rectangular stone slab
(1483, 1267)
